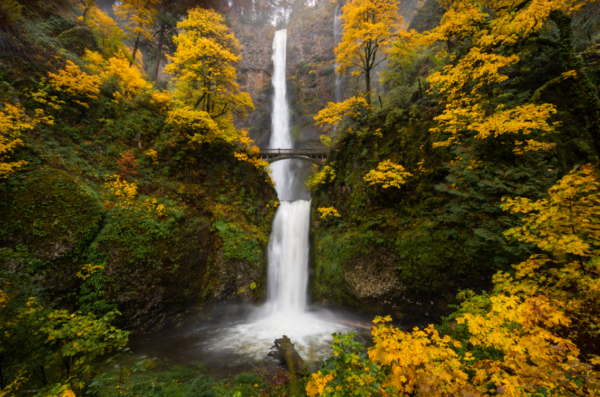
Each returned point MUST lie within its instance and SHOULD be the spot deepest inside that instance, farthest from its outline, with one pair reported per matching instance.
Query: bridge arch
(294, 156)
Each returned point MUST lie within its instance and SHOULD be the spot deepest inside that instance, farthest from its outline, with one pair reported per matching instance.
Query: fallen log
(287, 354)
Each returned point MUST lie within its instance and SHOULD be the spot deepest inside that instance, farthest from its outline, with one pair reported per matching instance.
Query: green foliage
(51, 213)
(202, 386)
(349, 365)
(93, 296)
(81, 338)
(237, 243)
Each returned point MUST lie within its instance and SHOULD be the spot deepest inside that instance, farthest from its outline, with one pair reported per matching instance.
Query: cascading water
(285, 311)
(280, 118)
(337, 38)
(245, 343)
(288, 248)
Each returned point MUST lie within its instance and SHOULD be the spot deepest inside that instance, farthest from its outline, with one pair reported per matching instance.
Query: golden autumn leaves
(201, 108)
(519, 328)
(522, 339)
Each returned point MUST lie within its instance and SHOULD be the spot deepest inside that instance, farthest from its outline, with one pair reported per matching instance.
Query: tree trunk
(44, 382)
(368, 81)
(161, 39)
(135, 47)
(1, 374)
(586, 91)
(287, 354)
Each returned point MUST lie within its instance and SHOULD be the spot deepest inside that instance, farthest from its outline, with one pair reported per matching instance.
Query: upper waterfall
(280, 119)
(280, 116)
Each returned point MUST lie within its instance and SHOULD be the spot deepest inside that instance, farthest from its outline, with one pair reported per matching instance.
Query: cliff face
(254, 76)
(310, 69)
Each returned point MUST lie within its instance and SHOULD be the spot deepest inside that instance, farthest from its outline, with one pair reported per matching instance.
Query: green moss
(50, 213)
(78, 39)
(237, 243)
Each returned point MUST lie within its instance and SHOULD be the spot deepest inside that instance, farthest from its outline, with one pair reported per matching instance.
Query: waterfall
(280, 116)
(281, 137)
(337, 39)
(288, 258)
(285, 310)
(288, 248)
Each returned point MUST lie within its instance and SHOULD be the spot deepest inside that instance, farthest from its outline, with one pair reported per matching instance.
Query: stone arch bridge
(315, 156)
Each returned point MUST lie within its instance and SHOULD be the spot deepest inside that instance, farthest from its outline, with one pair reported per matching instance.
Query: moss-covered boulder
(49, 213)
(78, 39)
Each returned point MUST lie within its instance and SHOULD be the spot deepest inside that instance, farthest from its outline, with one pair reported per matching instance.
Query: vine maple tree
(139, 16)
(368, 28)
(204, 72)
(387, 175)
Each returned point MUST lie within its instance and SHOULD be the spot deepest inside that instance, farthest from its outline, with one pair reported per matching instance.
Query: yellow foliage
(87, 271)
(334, 113)
(153, 155)
(131, 80)
(425, 363)
(123, 191)
(567, 227)
(251, 154)
(87, 7)
(368, 27)
(140, 16)
(468, 82)
(96, 62)
(13, 121)
(110, 34)
(204, 68)
(76, 83)
(44, 97)
(197, 125)
(520, 341)
(206, 91)
(568, 222)
(387, 174)
(326, 175)
(163, 100)
(317, 384)
(125, 196)
(325, 140)
(328, 211)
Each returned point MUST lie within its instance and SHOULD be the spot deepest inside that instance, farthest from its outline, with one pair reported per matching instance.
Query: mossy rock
(49, 214)
(78, 39)
(160, 268)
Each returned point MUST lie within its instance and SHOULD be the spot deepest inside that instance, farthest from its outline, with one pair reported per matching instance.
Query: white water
(337, 39)
(280, 119)
(288, 256)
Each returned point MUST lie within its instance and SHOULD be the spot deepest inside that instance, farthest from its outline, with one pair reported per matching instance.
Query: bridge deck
(316, 156)
(296, 152)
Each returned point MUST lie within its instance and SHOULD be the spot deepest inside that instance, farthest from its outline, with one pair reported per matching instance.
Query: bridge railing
(294, 151)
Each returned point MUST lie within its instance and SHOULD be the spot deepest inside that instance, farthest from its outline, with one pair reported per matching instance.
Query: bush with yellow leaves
(335, 113)
(328, 211)
(326, 175)
(76, 84)
(124, 195)
(13, 121)
(387, 175)
(524, 339)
